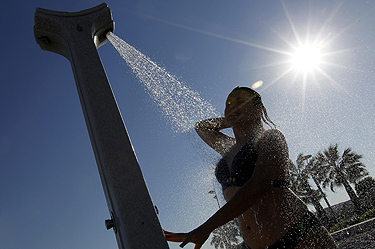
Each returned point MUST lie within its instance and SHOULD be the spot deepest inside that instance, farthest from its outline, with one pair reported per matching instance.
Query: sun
(306, 58)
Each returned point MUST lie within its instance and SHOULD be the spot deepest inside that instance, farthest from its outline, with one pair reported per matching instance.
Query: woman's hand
(196, 237)
(210, 132)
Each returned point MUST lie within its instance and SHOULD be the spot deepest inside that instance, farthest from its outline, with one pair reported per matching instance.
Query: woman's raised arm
(209, 131)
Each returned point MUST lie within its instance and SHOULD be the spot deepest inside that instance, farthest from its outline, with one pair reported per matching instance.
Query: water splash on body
(181, 105)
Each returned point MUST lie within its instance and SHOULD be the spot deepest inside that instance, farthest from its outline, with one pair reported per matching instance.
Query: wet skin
(275, 211)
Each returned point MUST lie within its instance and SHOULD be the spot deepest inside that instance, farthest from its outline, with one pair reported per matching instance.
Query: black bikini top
(243, 166)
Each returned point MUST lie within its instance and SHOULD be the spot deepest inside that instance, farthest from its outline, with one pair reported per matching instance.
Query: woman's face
(239, 109)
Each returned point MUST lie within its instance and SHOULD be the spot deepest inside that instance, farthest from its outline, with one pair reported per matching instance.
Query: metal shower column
(76, 36)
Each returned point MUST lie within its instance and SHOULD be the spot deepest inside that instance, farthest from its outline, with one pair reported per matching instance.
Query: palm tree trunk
(326, 200)
(318, 207)
(323, 194)
(352, 195)
(321, 213)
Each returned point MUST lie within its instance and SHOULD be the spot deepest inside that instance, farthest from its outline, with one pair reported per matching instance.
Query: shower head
(54, 31)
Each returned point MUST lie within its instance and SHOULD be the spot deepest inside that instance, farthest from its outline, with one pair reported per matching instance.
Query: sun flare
(306, 58)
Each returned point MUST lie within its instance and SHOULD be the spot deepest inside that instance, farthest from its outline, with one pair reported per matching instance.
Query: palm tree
(335, 171)
(300, 185)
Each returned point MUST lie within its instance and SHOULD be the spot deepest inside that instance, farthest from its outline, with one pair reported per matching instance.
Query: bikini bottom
(291, 239)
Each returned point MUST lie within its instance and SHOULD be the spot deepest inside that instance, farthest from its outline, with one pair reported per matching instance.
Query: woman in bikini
(254, 176)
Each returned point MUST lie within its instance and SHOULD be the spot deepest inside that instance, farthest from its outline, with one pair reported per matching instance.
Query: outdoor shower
(77, 36)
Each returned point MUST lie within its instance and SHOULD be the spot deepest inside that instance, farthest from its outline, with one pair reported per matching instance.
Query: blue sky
(51, 195)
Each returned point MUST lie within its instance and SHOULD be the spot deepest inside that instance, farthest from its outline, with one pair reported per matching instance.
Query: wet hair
(257, 100)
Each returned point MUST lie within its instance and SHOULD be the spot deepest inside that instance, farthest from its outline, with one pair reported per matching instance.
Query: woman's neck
(244, 134)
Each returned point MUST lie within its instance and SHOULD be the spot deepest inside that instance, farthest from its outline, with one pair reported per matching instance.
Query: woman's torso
(272, 215)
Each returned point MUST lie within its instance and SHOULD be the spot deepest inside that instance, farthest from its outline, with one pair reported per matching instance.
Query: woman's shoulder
(272, 134)
(272, 139)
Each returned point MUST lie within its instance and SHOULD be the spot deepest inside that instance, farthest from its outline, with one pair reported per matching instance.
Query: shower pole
(76, 36)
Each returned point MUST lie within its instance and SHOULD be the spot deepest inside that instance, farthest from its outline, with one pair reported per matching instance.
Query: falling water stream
(181, 105)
